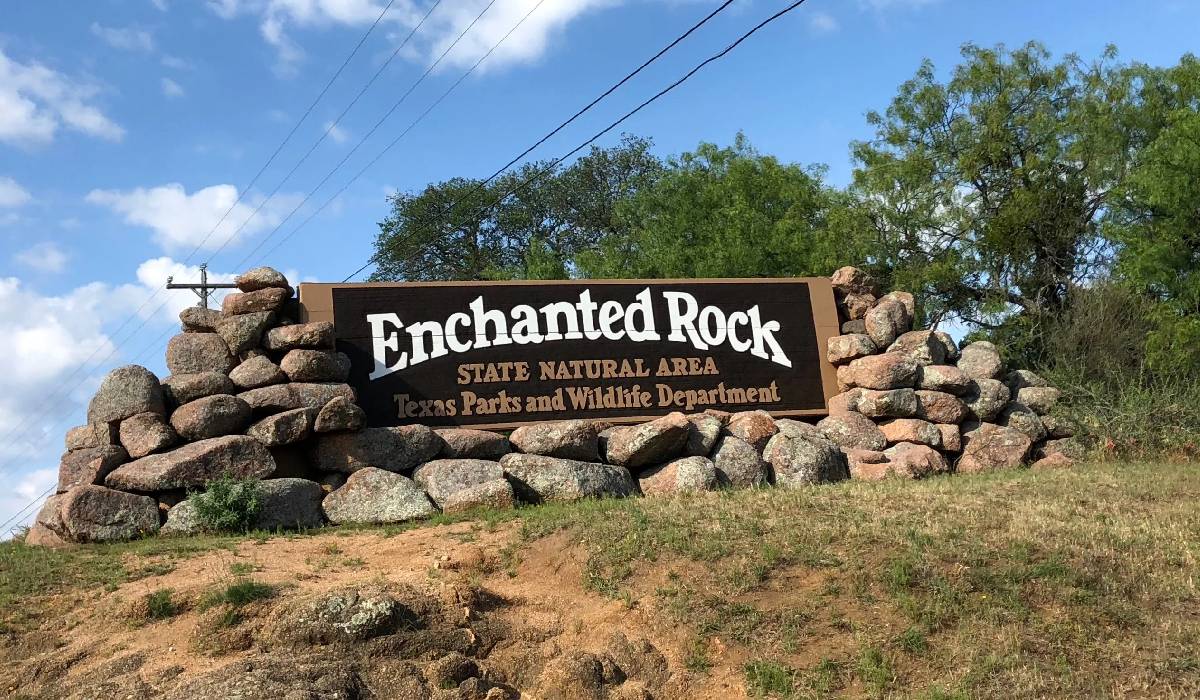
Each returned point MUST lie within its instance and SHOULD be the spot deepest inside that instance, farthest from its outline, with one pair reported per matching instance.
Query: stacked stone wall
(253, 394)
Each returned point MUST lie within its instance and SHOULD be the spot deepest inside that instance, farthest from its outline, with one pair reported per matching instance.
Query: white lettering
(381, 342)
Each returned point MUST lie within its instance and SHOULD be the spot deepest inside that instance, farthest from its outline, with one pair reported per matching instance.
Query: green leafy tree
(1156, 224)
(985, 192)
(529, 223)
(729, 212)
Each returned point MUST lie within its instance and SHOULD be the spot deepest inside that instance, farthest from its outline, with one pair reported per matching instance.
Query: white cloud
(526, 44)
(12, 195)
(35, 101)
(124, 38)
(29, 486)
(337, 133)
(176, 63)
(182, 220)
(44, 257)
(161, 5)
(170, 88)
(45, 339)
(822, 23)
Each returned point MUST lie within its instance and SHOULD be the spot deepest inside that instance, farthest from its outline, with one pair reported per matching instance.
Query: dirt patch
(435, 612)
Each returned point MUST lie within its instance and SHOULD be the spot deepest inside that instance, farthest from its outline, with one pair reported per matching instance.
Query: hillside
(1027, 583)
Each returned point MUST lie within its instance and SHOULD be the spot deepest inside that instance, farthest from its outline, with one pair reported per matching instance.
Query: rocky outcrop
(572, 439)
(211, 416)
(96, 514)
(396, 449)
(649, 443)
(688, 474)
(442, 478)
(373, 495)
(194, 465)
(466, 443)
(797, 460)
(538, 479)
(124, 392)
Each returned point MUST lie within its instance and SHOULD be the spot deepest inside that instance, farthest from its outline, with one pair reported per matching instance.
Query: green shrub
(241, 592)
(228, 504)
(1129, 395)
(769, 679)
(160, 605)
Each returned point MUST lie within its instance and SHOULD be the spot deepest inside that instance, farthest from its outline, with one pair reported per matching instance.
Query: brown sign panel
(503, 354)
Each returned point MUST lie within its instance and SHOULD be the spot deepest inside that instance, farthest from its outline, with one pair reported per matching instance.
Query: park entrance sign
(504, 354)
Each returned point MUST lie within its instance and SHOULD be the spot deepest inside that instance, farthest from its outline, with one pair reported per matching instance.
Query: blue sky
(127, 127)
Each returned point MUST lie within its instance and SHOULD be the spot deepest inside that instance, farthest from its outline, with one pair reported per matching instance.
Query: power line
(16, 517)
(554, 164)
(687, 76)
(384, 118)
(378, 124)
(329, 129)
(396, 140)
(63, 390)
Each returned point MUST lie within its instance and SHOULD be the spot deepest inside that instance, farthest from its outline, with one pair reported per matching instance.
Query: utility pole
(203, 290)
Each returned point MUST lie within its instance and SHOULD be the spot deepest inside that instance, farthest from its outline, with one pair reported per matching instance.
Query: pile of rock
(255, 394)
(250, 391)
(913, 403)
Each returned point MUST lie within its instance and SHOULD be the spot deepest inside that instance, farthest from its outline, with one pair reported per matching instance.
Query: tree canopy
(996, 194)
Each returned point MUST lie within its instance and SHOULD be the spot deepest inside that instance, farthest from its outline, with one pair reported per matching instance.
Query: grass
(1072, 583)
(237, 594)
(160, 605)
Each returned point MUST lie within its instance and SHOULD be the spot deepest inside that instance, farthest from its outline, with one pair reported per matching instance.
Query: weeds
(160, 605)
(228, 504)
(237, 594)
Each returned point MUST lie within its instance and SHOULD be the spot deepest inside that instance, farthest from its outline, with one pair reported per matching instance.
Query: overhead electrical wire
(65, 386)
(395, 106)
(387, 115)
(554, 163)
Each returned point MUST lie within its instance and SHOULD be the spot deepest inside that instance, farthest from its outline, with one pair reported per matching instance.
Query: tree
(985, 193)
(728, 212)
(1155, 226)
(528, 223)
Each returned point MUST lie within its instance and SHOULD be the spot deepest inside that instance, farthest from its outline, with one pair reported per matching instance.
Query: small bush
(160, 605)
(239, 593)
(228, 504)
(768, 678)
